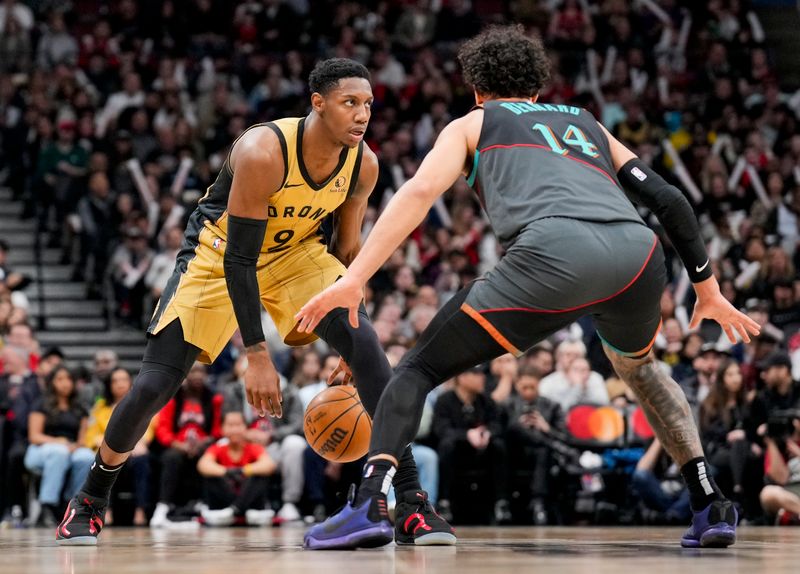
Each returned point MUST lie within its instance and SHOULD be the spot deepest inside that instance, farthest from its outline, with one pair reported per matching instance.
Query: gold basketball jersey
(295, 212)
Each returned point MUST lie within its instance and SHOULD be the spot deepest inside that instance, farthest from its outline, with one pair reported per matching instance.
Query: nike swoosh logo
(699, 268)
(288, 185)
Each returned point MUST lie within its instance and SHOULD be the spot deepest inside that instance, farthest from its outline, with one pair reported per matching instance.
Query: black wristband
(245, 238)
(645, 186)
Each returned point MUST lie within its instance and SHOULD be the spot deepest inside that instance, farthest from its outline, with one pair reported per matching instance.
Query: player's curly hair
(505, 63)
(327, 73)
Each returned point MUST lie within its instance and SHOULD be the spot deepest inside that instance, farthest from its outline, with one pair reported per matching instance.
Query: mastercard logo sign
(606, 424)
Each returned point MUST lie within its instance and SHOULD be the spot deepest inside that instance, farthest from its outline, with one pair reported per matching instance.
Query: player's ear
(535, 97)
(317, 102)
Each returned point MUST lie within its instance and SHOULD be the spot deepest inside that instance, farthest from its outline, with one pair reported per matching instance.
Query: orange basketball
(336, 425)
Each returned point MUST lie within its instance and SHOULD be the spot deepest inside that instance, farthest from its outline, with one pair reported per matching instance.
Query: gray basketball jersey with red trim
(545, 160)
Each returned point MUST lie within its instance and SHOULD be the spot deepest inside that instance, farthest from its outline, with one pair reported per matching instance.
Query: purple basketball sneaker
(366, 526)
(712, 527)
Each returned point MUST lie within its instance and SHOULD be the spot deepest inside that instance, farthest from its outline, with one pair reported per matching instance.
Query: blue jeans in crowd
(54, 462)
(648, 487)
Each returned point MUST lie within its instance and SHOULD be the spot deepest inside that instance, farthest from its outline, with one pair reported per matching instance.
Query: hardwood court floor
(480, 550)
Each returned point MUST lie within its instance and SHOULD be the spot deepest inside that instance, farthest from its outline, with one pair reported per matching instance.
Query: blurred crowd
(115, 117)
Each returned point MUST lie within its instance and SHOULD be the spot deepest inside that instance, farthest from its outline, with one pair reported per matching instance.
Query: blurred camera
(780, 424)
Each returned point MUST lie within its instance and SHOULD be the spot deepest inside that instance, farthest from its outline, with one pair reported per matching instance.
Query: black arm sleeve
(245, 237)
(646, 187)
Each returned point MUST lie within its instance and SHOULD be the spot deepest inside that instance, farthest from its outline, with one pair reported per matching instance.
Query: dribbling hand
(262, 385)
(341, 368)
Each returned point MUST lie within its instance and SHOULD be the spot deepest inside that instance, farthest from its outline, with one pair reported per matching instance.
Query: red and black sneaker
(82, 521)
(416, 522)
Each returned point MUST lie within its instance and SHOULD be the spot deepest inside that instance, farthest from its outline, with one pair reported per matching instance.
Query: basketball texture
(336, 425)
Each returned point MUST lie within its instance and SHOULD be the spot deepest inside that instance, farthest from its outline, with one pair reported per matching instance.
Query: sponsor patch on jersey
(639, 174)
(339, 184)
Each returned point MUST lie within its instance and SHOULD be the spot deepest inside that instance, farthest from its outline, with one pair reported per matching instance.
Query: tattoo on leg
(664, 404)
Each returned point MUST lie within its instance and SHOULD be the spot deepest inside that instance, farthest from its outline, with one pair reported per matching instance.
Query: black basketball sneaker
(82, 521)
(416, 522)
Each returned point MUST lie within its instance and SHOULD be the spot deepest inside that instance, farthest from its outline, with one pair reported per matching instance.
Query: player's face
(346, 110)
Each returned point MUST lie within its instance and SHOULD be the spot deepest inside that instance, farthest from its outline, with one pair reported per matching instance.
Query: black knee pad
(154, 386)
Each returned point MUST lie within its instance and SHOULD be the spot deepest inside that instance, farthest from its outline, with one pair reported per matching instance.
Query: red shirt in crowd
(191, 423)
(220, 452)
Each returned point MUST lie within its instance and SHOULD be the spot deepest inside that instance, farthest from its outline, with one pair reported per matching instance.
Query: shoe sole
(373, 537)
(718, 536)
(77, 541)
(432, 539)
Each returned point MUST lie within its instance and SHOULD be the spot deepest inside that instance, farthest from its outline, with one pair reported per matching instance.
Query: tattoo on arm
(664, 404)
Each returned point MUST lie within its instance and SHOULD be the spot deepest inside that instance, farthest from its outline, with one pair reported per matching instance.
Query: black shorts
(559, 270)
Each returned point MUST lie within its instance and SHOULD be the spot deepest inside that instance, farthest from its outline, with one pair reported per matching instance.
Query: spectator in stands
(59, 169)
(9, 278)
(235, 472)
(282, 438)
(698, 382)
(164, 263)
(723, 422)
(186, 426)
(129, 266)
(780, 392)
(578, 384)
(781, 497)
(19, 389)
(540, 357)
(105, 362)
(532, 422)
(503, 371)
(96, 214)
(469, 429)
(56, 432)
(117, 384)
(658, 484)
(309, 377)
(569, 387)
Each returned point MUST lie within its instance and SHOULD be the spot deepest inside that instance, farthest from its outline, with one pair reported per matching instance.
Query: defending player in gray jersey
(550, 178)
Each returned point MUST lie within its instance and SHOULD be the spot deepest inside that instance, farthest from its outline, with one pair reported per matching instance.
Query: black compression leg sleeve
(167, 359)
(362, 351)
(452, 343)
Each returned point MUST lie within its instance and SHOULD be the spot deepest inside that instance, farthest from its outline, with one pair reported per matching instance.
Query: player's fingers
(277, 409)
(742, 332)
(752, 325)
(729, 332)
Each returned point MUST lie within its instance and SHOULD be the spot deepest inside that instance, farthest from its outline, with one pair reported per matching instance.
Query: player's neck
(317, 140)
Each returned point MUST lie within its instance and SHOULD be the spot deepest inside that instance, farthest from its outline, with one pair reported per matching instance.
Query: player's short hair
(326, 74)
(502, 61)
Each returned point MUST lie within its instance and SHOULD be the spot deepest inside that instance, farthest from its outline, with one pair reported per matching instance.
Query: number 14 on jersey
(573, 137)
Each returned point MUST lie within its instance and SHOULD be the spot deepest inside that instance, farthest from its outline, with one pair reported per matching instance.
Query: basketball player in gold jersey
(255, 240)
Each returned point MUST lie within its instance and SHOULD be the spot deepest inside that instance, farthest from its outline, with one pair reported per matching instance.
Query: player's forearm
(245, 237)
(673, 212)
(404, 213)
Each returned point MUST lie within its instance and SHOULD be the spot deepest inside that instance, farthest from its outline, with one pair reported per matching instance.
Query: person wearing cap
(60, 164)
(780, 392)
(469, 428)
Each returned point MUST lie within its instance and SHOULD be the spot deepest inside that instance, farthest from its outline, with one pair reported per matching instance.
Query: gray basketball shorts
(559, 270)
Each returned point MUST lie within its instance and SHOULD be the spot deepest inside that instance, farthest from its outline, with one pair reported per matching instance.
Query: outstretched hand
(719, 309)
(344, 293)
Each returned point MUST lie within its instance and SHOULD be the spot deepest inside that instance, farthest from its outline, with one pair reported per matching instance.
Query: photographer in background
(782, 467)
